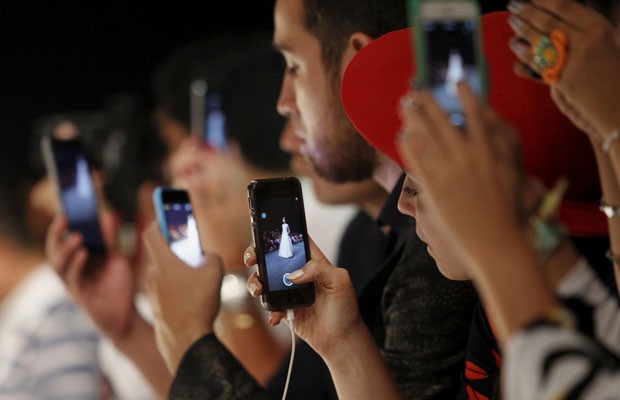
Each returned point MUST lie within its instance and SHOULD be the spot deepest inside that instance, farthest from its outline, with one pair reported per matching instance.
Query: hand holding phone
(178, 224)
(281, 241)
(68, 167)
(448, 50)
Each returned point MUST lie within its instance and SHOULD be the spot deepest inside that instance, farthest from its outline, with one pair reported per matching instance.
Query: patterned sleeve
(548, 361)
(209, 371)
(582, 283)
(427, 319)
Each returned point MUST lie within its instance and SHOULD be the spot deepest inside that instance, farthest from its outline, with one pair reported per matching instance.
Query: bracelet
(609, 211)
(610, 139)
(556, 316)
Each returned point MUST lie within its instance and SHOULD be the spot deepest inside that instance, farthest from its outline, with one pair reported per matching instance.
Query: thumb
(109, 226)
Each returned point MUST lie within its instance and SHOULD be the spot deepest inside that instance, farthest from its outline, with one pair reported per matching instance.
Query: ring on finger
(549, 55)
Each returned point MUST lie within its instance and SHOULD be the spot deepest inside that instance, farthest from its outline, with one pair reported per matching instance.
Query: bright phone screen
(283, 241)
(78, 194)
(452, 58)
(183, 232)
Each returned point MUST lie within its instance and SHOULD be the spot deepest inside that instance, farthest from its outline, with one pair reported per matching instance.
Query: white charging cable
(290, 316)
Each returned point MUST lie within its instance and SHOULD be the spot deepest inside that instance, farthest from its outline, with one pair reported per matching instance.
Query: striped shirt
(548, 361)
(48, 348)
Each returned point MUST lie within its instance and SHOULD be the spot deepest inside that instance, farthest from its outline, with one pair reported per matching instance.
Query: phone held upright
(281, 241)
(177, 223)
(68, 167)
(448, 50)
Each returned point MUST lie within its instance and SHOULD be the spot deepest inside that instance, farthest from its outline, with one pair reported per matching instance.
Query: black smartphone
(68, 168)
(178, 224)
(208, 121)
(448, 49)
(281, 241)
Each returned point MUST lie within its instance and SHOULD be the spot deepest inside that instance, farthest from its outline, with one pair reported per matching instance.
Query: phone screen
(77, 191)
(215, 123)
(281, 230)
(208, 121)
(182, 229)
(451, 57)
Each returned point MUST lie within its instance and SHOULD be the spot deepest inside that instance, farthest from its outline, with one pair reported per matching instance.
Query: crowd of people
(479, 262)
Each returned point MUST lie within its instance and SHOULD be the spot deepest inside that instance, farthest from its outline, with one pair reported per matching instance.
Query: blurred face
(309, 99)
(411, 203)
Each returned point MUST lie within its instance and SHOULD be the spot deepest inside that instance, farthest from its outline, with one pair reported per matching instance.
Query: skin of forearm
(511, 283)
(140, 347)
(359, 371)
(609, 173)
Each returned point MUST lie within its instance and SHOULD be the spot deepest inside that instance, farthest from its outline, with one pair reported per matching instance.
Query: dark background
(63, 58)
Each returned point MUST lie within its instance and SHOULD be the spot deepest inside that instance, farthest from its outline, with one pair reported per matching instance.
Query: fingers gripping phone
(448, 50)
(68, 168)
(178, 224)
(281, 241)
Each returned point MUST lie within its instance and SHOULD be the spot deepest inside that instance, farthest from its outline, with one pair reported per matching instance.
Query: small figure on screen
(286, 244)
(455, 72)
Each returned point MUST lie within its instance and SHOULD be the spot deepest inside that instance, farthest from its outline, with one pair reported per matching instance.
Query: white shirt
(48, 348)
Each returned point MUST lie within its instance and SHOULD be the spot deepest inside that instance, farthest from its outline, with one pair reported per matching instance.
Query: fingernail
(519, 48)
(515, 22)
(406, 101)
(252, 288)
(246, 257)
(296, 274)
(514, 6)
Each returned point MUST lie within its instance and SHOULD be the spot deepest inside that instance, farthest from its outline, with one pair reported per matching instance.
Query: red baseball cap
(380, 74)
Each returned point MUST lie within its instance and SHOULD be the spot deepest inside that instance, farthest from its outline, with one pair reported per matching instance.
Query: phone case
(415, 19)
(279, 299)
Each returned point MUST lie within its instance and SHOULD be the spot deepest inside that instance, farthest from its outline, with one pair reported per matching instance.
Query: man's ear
(356, 42)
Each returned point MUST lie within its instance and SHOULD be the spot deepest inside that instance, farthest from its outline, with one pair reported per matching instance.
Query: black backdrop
(61, 58)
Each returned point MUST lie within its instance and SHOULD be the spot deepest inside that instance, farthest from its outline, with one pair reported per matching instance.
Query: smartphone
(178, 224)
(281, 241)
(68, 168)
(208, 121)
(448, 49)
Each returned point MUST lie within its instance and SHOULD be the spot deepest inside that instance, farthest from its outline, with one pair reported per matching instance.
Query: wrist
(357, 339)
(134, 332)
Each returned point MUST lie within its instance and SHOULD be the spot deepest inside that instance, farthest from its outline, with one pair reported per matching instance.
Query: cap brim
(380, 74)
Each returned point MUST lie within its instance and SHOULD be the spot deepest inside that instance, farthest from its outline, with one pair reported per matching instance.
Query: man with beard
(418, 318)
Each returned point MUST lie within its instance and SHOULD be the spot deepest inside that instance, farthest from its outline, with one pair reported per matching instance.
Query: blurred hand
(476, 170)
(185, 300)
(588, 89)
(103, 286)
(217, 186)
(333, 321)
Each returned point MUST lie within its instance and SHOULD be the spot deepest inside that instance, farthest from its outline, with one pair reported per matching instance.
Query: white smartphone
(448, 50)
(178, 224)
